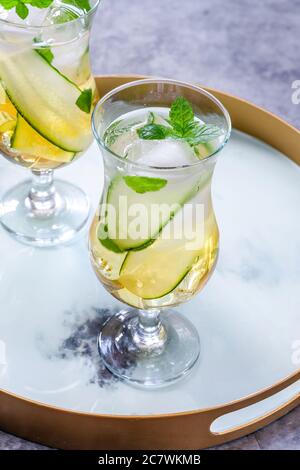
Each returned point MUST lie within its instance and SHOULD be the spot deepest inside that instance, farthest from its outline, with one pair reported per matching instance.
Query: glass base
(124, 357)
(68, 216)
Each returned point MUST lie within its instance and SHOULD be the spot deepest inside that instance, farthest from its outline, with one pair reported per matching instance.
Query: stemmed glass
(47, 95)
(152, 270)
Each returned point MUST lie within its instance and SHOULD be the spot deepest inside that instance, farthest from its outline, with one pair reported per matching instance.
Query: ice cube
(60, 13)
(69, 56)
(162, 153)
(136, 148)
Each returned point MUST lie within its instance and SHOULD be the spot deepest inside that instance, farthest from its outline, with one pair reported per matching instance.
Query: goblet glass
(154, 238)
(47, 95)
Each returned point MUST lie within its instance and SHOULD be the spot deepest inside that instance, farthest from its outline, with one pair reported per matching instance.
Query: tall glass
(47, 95)
(163, 261)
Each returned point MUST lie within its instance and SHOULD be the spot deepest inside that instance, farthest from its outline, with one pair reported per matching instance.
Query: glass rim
(146, 81)
(47, 26)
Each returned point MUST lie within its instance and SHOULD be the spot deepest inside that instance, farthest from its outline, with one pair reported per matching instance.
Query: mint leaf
(84, 102)
(153, 131)
(202, 134)
(8, 4)
(115, 130)
(183, 126)
(181, 115)
(109, 244)
(82, 4)
(46, 53)
(144, 184)
(22, 10)
(39, 3)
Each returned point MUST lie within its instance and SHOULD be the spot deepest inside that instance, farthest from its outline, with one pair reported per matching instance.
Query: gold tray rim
(68, 429)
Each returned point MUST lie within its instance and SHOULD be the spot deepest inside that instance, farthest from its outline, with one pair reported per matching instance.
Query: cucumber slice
(46, 99)
(107, 261)
(156, 209)
(156, 271)
(26, 140)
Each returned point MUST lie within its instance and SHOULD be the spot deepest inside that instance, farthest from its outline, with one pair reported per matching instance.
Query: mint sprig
(22, 10)
(183, 126)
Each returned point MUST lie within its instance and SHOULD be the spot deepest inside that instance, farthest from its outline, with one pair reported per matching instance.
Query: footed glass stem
(41, 213)
(42, 199)
(145, 348)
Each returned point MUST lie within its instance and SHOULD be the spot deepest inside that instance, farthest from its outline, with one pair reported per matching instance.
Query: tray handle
(254, 424)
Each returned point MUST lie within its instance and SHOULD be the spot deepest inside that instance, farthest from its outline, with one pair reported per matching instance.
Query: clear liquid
(172, 266)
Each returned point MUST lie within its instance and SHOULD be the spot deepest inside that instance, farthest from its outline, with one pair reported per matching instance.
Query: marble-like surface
(250, 50)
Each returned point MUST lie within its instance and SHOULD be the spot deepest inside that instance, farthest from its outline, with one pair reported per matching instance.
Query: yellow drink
(167, 265)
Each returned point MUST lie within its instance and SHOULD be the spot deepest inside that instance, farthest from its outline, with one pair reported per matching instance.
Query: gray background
(249, 48)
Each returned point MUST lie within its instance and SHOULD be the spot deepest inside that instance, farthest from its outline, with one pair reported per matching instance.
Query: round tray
(54, 388)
